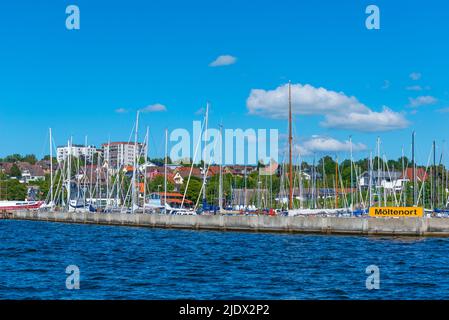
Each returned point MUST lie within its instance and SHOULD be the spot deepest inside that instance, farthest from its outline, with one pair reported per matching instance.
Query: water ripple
(141, 263)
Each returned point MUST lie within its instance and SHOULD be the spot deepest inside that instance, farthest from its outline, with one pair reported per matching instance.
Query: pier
(308, 224)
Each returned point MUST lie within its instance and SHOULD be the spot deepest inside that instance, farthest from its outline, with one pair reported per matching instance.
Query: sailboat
(20, 205)
(305, 211)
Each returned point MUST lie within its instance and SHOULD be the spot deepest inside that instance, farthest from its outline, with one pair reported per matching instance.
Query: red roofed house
(421, 174)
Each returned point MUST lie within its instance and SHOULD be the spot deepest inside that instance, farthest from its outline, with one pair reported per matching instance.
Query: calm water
(139, 263)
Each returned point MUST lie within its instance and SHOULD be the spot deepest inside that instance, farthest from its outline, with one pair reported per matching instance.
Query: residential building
(421, 174)
(30, 172)
(75, 150)
(239, 170)
(388, 180)
(122, 153)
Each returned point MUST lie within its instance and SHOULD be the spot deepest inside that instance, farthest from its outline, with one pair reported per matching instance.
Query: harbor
(426, 226)
(211, 160)
(121, 178)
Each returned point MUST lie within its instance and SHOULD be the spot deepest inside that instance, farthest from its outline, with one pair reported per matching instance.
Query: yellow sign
(396, 212)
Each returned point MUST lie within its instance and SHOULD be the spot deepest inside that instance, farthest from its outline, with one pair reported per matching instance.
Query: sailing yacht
(308, 211)
(20, 205)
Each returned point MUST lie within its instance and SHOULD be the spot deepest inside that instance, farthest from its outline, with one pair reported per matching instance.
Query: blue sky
(129, 55)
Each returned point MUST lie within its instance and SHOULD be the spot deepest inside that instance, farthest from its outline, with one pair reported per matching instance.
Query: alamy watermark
(72, 22)
(228, 146)
(372, 22)
(373, 280)
(72, 281)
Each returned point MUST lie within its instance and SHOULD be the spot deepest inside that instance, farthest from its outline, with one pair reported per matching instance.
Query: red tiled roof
(421, 174)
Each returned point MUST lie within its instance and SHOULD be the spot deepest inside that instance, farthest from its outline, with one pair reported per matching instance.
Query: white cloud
(414, 88)
(372, 121)
(121, 110)
(306, 100)
(154, 108)
(224, 60)
(415, 76)
(339, 110)
(422, 101)
(320, 144)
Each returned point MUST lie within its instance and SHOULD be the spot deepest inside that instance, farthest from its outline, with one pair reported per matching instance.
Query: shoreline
(416, 227)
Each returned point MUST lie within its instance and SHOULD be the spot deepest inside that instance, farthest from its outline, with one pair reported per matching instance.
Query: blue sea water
(142, 263)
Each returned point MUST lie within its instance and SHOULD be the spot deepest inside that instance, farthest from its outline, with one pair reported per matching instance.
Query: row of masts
(413, 161)
(136, 176)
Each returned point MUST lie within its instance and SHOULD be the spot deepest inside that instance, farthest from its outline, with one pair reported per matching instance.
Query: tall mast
(323, 181)
(301, 193)
(51, 169)
(165, 169)
(91, 176)
(336, 182)
(313, 183)
(77, 175)
(135, 164)
(117, 179)
(69, 169)
(203, 153)
(244, 196)
(404, 190)
(351, 184)
(441, 201)
(290, 140)
(378, 182)
(97, 182)
(414, 169)
(107, 174)
(145, 171)
(85, 170)
(370, 183)
(220, 184)
(434, 176)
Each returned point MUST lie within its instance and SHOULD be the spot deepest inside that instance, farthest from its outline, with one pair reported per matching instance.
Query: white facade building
(122, 153)
(76, 151)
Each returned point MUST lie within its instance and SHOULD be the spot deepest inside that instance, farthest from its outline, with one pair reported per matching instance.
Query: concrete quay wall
(300, 224)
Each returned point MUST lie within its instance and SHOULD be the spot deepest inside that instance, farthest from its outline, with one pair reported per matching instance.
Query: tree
(44, 187)
(13, 158)
(157, 184)
(13, 190)
(345, 171)
(329, 168)
(193, 191)
(47, 158)
(30, 158)
(160, 161)
(15, 171)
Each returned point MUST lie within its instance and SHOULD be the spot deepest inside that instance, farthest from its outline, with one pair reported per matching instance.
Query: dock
(262, 223)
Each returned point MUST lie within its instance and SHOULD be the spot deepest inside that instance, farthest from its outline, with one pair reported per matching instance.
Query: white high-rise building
(76, 151)
(121, 153)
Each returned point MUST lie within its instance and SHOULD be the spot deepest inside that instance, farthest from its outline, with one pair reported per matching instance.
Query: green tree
(329, 169)
(13, 158)
(160, 161)
(30, 158)
(157, 184)
(47, 157)
(14, 190)
(193, 191)
(15, 171)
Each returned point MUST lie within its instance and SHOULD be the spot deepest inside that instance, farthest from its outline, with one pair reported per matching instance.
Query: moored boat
(20, 205)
